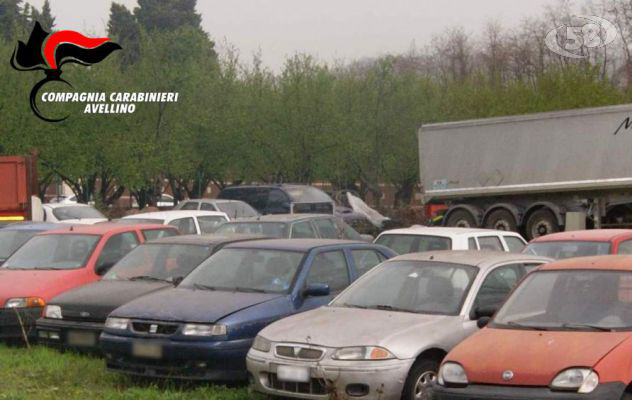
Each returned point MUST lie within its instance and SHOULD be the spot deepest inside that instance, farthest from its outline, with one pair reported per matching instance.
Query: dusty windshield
(269, 229)
(53, 252)
(76, 212)
(10, 240)
(567, 249)
(570, 300)
(412, 286)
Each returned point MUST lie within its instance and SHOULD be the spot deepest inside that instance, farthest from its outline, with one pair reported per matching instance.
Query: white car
(187, 222)
(419, 238)
(73, 213)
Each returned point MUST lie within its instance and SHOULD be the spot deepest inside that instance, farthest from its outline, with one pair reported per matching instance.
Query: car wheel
(420, 378)
(540, 223)
(461, 219)
(501, 220)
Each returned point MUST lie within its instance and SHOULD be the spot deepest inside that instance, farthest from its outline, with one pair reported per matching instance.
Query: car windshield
(159, 261)
(403, 244)
(247, 270)
(76, 212)
(567, 249)
(67, 251)
(570, 300)
(269, 229)
(412, 286)
(10, 240)
(236, 209)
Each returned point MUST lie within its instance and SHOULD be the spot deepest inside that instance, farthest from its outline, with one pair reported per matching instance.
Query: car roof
(609, 262)
(104, 228)
(35, 226)
(478, 258)
(593, 235)
(303, 245)
(444, 231)
(206, 240)
(280, 218)
(172, 214)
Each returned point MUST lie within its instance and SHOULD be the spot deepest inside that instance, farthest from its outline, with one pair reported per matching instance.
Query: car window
(326, 228)
(208, 207)
(116, 247)
(153, 234)
(515, 245)
(347, 231)
(403, 244)
(278, 201)
(330, 268)
(471, 244)
(236, 209)
(303, 230)
(190, 205)
(625, 247)
(490, 243)
(497, 285)
(365, 259)
(258, 198)
(186, 226)
(210, 223)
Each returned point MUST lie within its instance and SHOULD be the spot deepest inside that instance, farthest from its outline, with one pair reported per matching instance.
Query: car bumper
(10, 327)
(75, 335)
(605, 391)
(359, 380)
(223, 361)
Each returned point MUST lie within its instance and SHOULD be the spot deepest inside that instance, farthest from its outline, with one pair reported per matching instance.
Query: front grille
(302, 353)
(314, 386)
(154, 328)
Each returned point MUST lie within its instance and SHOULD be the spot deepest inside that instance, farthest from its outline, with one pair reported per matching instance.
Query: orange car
(565, 333)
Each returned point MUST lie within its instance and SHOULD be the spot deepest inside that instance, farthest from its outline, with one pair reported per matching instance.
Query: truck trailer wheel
(541, 222)
(461, 219)
(501, 220)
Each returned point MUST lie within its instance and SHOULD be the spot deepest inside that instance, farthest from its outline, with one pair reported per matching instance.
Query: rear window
(567, 249)
(76, 212)
(270, 229)
(190, 205)
(403, 244)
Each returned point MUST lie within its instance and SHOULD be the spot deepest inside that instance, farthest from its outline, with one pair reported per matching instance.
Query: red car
(55, 261)
(582, 243)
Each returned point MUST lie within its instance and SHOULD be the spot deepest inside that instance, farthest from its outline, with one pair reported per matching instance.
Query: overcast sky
(329, 29)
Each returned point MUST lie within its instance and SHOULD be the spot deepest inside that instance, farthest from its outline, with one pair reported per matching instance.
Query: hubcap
(542, 228)
(501, 226)
(463, 224)
(423, 383)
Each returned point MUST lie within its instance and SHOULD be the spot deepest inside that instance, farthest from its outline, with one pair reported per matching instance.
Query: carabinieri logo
(49, 51)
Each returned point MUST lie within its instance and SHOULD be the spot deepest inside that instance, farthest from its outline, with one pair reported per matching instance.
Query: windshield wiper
(387, 307)
(351, 306)
(523, 326)
(199, 286)
(244, 289)
(147, 278)
(571, 325)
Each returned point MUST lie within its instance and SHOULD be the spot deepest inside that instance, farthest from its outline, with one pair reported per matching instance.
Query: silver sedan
(385, 336)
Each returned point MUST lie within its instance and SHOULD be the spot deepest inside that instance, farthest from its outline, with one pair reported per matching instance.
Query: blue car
(13, 236)
(202, 329)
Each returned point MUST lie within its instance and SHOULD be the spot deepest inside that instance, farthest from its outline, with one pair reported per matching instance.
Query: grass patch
(46, 374)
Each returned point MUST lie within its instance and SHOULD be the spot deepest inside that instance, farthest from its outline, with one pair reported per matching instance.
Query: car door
(329, 267)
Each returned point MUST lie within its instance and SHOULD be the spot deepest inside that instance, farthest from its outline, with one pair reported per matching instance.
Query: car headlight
(362, 353)
(452, 373)
(584, 380)
(52, 312)
(262, 344)
(25, 302)
(117, 323)
(204, 330)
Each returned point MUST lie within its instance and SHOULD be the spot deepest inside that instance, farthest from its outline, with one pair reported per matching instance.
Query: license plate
(81, 339)
(287, 373)
(147, 350)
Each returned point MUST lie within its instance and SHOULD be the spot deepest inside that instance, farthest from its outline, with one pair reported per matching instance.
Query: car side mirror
(317, 290)
(482, 322)
(103, 268)
(483, 311)
(176, 280)
(367, 238)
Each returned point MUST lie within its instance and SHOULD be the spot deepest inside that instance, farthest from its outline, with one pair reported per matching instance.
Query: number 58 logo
(596, 33)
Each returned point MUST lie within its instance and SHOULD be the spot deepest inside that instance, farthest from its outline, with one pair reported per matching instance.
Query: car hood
(400, 332)
(190, 305)
(97, 300)
(535, 357)
(25, 283)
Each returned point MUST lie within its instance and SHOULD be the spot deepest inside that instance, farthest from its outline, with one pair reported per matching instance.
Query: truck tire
(461, 219)
(541, 222)
(501, 220)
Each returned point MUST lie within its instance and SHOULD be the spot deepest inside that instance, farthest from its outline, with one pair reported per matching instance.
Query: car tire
(501, 220)
(541, 222)
(420, 377)
(461, 219)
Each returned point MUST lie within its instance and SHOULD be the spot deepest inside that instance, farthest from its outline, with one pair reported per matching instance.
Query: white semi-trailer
(527, 173)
